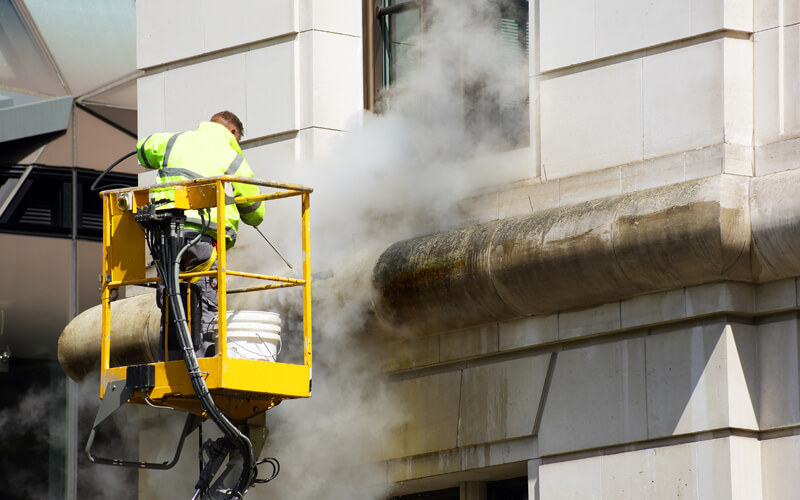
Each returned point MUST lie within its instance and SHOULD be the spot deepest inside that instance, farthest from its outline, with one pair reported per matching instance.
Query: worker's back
(209, 151)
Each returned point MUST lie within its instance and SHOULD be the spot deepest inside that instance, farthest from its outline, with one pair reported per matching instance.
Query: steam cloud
(35, 427)
(27, 427)
(460, 96)
(402, 173)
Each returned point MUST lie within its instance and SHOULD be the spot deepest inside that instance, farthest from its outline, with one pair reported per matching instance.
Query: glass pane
(404, 26)
(495, 108)
(507, 108)
(513, 27)
(403, 33)
(23, 65)
(92, 41)
(7, 186)
(123, 96)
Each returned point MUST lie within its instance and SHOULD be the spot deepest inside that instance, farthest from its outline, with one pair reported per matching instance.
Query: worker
(211, 150)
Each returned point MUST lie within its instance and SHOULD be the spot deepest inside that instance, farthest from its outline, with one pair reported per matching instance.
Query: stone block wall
(691, 392)
(291, 70)
(687, 393)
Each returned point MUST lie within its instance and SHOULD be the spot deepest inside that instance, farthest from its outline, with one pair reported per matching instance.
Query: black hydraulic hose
(94, 187)
(276, 468)
(196, 377)
(163, 246)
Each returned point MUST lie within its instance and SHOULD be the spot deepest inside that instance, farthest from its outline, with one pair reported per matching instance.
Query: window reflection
(488, 71)
(23, 62)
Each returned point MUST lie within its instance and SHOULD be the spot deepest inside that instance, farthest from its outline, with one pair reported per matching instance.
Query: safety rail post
(306, 243)
(222, 302)
(105, 339)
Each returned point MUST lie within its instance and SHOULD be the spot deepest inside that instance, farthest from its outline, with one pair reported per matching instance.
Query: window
(508, 489)
(448, 494)
(24, 64)
(37, 200)
(399, 22)
(481, 46)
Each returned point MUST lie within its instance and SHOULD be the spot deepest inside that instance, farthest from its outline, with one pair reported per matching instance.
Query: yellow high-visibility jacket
(209, 151)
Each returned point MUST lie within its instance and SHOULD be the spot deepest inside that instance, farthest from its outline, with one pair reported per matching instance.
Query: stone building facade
(618, 317)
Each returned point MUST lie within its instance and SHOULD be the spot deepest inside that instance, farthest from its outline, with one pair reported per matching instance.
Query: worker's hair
(228, 119)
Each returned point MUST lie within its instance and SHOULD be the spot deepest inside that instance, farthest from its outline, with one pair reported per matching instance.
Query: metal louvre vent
(39, 201)
(92, 221)
(42, 216)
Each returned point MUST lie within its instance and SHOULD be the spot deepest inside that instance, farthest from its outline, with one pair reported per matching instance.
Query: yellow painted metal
(231, 375)
(105, 296)
(198, 274)
(141, 197)
(126, 246)
(222, 283)
(242, 388)
(267, 277)
(143, 281)
(306, 237)
(262, 287)
(234, 379)
(141, 193)
(264, 197)
(249, 375)
(195, 197)
(282, 282)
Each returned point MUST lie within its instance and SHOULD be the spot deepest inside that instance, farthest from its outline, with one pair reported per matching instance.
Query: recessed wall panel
(275, 160)
(567, 32)
(342, 16)
(150, 107)
(738, 91)
(238, 22)
(500, 400)
(777, 59)
(714, 468)
(430, 414)
(585, 30)
(180, 29)
(270, 86)
(338, 84)
(779, 464)
(625, 25)
(591, 119)
(194, 93)
(608, 378)
(167, 31)
(683, 99)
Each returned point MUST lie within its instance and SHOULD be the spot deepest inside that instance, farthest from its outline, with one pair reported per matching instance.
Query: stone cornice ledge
(719, 228)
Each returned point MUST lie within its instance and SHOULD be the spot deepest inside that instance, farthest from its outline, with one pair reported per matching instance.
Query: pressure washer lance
(273, 247)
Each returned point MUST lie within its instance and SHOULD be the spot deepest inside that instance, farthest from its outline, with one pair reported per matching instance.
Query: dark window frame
(375, 32)
(508, 489)
(376, 38)
(515, 488)
(48, 191)
(446, 494)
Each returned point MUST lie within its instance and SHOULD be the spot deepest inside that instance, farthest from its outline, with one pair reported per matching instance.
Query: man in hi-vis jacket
(211, 150)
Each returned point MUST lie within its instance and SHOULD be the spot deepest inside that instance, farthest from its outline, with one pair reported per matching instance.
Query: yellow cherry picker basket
(228, 390)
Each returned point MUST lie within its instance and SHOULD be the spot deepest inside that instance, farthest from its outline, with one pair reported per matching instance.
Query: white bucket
(254, 335)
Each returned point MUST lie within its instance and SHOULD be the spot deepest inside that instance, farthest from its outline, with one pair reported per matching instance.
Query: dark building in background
(67, 111)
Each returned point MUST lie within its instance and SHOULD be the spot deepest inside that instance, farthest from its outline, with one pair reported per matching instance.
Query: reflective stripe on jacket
(209, 151)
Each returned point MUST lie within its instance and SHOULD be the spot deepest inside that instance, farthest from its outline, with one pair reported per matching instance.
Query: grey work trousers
(204, 302)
